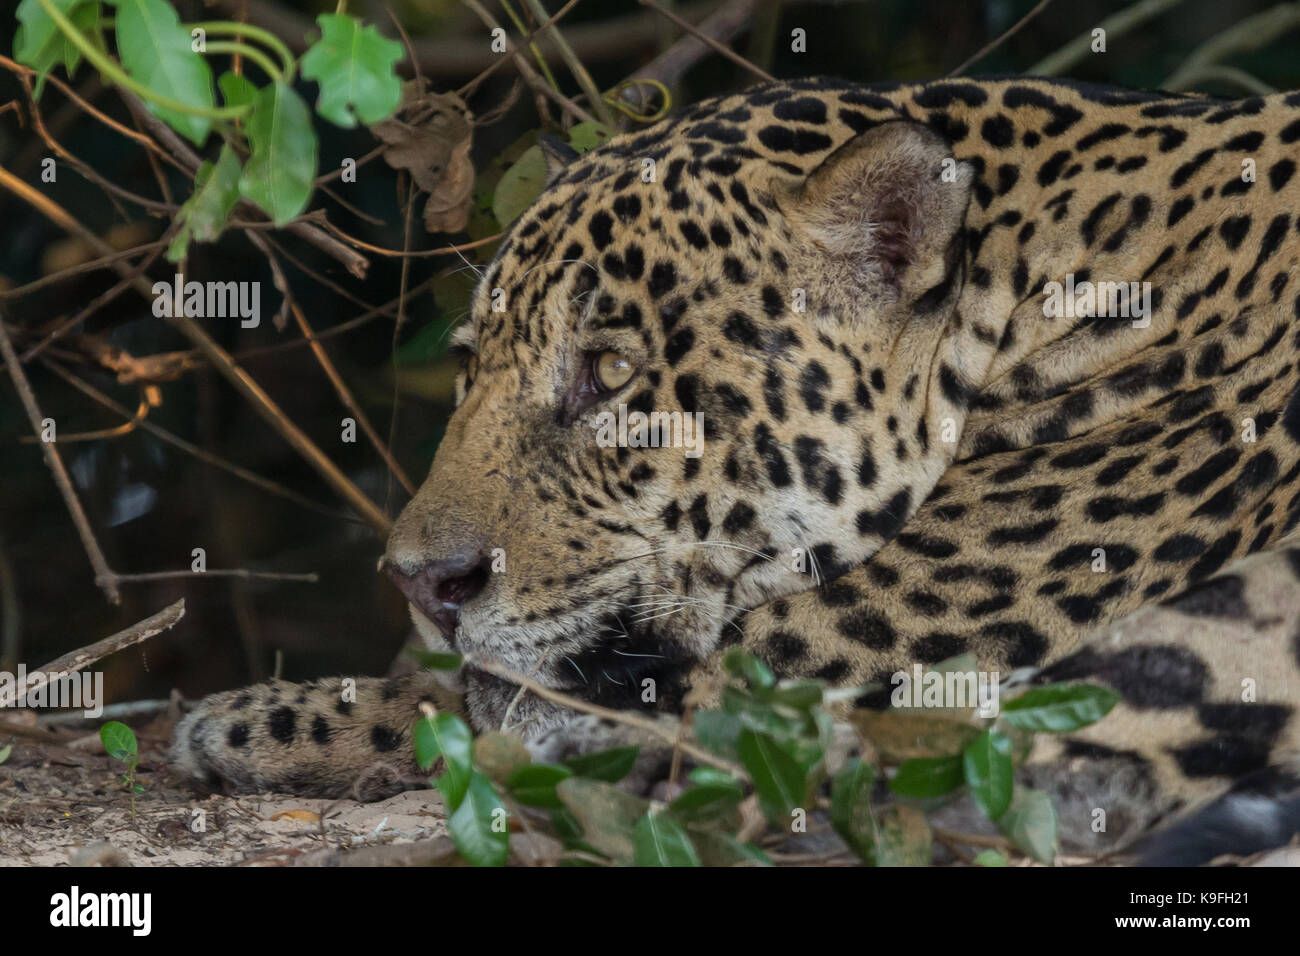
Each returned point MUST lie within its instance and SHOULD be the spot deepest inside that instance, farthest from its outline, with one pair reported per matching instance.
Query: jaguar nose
(439, 588)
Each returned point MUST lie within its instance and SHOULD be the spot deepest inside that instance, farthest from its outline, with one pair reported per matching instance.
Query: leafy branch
(778, 736)
(269, 153)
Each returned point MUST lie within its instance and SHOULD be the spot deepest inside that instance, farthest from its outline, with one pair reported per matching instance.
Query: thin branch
(90, 109)
(83, 657)
(1115, 26)
(103, 298)
(103, 573)
(103, 262)
(308, 577)
(717, 47)
(723, 25)
(606, 41)
(1248, 34)
(574, 63)
(202, 454)
(998, 41)
(354, 262)
(419, 254)
(628, 718)
(220, 359)
(348, 399)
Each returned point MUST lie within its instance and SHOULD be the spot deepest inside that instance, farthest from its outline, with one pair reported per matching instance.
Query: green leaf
(987, 765)
(713, 777)
(204, 214)
(990, 858)
(851, 814)
(119, 740)
(354, 67)
(521, 184)
(1059, 708)
(608, 765)
(750, 669)
(708, 804)
(1030, 823)
(155, 49)
(760, 716)
(606, 814)
(927, 777)
(236, 90)
(534, 785)
(721, 849)
(40, 44)
(799, 694)
(5, 752)
(779, 779)
(438, 660)
(588, 135)
(478, 825)
(718, 731)
(281, 169)
(901, 735)
(446, 736)
(661, 841)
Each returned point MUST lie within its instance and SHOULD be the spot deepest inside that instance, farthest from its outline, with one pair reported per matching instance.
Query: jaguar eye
(611, 370)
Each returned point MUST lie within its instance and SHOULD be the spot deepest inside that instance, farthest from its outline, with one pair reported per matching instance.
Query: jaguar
(1007, 367)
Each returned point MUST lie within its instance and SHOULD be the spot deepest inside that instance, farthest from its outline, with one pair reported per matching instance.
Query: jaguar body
(1006, 367)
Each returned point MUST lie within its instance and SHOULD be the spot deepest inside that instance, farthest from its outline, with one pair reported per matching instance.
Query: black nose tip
(439, 588)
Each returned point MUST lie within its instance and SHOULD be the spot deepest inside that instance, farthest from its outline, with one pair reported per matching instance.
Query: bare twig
(717, 47)
(103, 574)
(200, 453)
(1115, 26)
(998, 41)
(628, 718)
(218, 357)
(574, 63)
(102, 299)
(605, 41)
(346, 397)
(130, 708)
(542, 90)
(88, 108)
(102, 262)
(309, 577)
(85, 656)
(1248, 34)
(355, 263)
(418, 254)
(723, 25)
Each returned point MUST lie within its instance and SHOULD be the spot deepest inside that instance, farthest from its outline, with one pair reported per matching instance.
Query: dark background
(150, 504)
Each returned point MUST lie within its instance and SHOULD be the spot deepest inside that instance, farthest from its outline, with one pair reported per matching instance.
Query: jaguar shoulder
(1006, 367)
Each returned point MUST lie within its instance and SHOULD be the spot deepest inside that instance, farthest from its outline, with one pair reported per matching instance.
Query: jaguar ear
(558, 155)
(887, 204)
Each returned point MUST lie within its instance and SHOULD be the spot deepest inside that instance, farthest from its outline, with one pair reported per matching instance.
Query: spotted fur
(905, 457)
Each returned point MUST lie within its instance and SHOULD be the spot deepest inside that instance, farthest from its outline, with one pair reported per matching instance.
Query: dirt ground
(62, 802)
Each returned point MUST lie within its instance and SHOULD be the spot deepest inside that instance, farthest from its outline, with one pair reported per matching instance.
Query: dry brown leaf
(430, 137)
(902, 736)
(303, 816)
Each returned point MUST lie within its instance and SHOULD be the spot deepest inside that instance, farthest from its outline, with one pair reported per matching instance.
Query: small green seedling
(5, 752)
(120, 744)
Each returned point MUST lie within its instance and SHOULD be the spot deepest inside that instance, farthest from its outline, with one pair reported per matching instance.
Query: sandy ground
(62, 803)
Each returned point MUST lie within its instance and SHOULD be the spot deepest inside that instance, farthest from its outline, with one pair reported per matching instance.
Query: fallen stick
(85, 656)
